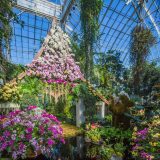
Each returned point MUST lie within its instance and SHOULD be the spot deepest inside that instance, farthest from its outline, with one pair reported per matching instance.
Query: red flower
(31, 107)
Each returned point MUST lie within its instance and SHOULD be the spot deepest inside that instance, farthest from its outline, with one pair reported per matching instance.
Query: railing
(41, 7)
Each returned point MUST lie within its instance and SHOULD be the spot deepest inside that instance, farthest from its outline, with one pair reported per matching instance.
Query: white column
(102, 110)
(80, 108)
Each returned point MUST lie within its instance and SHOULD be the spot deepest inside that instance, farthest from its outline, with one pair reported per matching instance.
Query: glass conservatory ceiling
(117, 19)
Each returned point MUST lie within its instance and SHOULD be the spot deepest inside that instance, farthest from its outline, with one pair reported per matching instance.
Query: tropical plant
(109, 73)
(30, 131)
(142, 40)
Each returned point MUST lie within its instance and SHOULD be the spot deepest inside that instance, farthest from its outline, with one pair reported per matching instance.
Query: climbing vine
(90, 11)
(6, 13)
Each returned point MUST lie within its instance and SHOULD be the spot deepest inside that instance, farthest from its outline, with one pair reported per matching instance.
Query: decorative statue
(120, 105)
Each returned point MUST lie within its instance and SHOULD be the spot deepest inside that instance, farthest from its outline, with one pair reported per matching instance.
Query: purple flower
(145, 156)
(62, 140)
(11, 142)
(29, 136)
(135, 147)
(21, 146)
(142, 134)
(41, 129)
(27, 125)
(3, 146)
(50, 142)
(6, 133)
(29, 130)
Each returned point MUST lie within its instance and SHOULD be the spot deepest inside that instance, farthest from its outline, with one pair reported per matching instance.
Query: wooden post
(80, 108)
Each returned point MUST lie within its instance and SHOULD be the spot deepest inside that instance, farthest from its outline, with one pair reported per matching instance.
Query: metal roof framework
(116, 21)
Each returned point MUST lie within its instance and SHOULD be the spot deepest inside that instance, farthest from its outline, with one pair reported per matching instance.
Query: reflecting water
(76, 149)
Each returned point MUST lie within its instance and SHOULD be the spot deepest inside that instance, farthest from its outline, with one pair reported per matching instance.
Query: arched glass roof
(116, 21)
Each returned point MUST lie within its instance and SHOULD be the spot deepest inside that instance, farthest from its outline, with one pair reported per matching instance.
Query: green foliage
(109, 134)
(109, 73)
(8, 70)
(69, 108)
(113, 140)
(94, 135)
(149, 78)
(93, 152)
(116, 134)
(108, 151)
(90, 11)
(31, 90)
(108, 118)
(79, 53)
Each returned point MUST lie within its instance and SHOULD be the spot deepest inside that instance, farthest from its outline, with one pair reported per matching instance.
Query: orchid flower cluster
(57, 61)
(52, 67)
(29, 131)
(146, 142)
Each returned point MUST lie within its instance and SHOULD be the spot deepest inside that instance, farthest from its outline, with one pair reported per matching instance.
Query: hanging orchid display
(56, 67)
(57, 62)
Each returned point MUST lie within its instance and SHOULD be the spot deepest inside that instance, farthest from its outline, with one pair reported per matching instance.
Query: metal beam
(66, 9)
(152, 19)
(40, 7)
